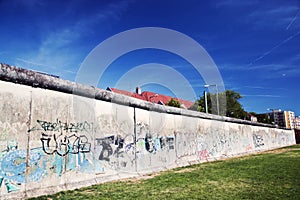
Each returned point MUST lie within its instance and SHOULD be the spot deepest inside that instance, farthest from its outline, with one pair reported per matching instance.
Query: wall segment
(57, 135)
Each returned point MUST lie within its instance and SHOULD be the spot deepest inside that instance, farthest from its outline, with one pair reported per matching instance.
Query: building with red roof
(152, 97)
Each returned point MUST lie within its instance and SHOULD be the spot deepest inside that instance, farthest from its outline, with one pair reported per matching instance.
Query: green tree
(229, 104)
(263, 118)
(173, 102)
(197, 107)
(233, 107)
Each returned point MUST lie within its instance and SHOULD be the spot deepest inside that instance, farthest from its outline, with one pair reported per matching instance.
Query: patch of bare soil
(185, 170)
(138, 179)
(278, 151)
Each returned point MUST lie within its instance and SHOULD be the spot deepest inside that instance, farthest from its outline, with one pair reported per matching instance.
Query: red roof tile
(124, 92)
(152, 97)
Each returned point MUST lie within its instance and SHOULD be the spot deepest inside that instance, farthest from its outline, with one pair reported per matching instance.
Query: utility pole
(205, 100)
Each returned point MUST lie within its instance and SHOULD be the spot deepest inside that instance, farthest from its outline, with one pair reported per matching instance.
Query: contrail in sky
(275, 47)
(287, 28)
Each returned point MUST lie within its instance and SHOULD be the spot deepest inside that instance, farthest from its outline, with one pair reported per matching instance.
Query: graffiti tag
(62, 144)
(258, 140)
(59, 126)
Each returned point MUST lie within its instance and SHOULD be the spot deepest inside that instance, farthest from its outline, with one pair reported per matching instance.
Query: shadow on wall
(297, 136)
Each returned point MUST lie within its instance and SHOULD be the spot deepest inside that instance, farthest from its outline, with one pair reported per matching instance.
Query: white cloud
(262, 88)
(295, 58)
(262, 95)
(262, 14)
(245, 68)
(59, 52)
(274, 17)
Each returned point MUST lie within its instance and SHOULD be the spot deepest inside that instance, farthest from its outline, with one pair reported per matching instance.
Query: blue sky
(255, 44)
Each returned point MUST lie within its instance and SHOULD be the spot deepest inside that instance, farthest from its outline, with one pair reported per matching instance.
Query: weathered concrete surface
(52, 139)
(297, 135)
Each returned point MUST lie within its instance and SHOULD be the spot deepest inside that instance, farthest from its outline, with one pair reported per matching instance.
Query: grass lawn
(269, 175)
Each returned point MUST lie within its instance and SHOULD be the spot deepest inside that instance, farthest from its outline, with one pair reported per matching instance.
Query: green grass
(270, 175)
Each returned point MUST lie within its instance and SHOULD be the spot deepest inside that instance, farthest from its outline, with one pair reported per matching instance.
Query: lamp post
(205, 100)
(217, 95)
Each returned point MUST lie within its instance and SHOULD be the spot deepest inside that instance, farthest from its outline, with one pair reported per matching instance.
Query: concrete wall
(297, 135)
(53, 140)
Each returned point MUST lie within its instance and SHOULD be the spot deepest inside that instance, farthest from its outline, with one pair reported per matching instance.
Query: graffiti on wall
(258, 140)
(13, 166)
(154, 144)
(118, 151)
(185, 146)
(202, 148)
(149, 142)
(283, 138)
(63, 138)
(64, 147)
(110, 146)
(115, 151)
(59, 126)
(67, 143)
(63, 144)
(219, 144)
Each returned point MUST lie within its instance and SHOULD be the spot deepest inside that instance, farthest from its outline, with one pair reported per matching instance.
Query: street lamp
(205, 100)
(217, 95)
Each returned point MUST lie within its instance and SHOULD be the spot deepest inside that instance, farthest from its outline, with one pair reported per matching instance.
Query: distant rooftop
(151, 97)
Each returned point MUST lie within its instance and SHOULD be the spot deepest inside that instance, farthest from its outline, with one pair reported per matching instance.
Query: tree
(197, 107)
(229, 104)
(233, 107)
(174, 103)
(263, 118)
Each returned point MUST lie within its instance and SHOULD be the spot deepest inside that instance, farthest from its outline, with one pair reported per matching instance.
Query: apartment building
(285, 119)
(297, 122)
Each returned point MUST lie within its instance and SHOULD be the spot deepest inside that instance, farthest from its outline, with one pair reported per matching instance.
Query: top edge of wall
(40, 80)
